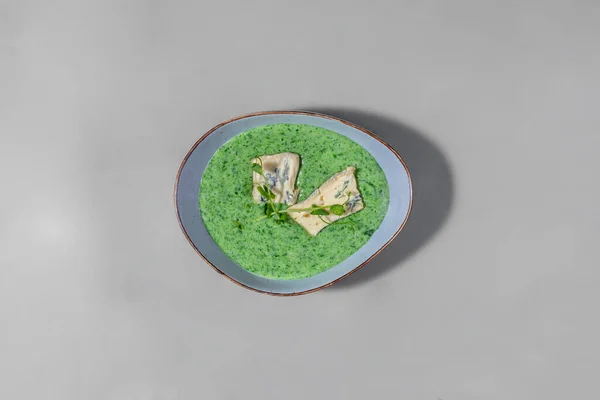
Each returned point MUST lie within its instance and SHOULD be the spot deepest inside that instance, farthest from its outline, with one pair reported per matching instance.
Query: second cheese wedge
(340, 188)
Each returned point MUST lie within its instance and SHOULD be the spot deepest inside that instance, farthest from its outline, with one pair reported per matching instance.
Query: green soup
(286, 250)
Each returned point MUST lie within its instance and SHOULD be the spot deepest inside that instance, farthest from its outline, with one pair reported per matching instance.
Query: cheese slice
(281, 171)
(340, 188)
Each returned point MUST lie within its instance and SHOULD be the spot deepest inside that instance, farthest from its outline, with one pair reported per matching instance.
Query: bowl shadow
(433, 190)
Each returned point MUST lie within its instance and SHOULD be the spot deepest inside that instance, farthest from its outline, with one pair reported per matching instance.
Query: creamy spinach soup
(266, 246)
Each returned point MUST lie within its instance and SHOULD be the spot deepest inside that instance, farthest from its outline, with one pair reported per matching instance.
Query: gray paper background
(491, 291)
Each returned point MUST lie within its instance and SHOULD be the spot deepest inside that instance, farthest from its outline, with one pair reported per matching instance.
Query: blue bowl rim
(308, 113)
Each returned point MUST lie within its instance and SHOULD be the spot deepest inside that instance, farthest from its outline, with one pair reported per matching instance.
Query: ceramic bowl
(190, 173)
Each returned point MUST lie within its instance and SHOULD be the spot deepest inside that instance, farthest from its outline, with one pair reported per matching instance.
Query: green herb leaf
(266, 192)
(337, 209)
(238, 224)
(263, 192)
(319, 211)
(269, 210)
(257, 168)
(281, 217)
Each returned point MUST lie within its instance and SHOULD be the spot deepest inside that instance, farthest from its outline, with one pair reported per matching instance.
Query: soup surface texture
(285, 250)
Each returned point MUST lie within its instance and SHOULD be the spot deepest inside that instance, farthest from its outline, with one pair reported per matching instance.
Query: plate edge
(307, 113)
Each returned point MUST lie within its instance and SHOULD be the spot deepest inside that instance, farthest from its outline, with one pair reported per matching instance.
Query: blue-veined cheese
(339, 189)
(281, 171)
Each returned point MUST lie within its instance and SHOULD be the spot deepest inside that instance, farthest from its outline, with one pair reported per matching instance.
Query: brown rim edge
(308, 113)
